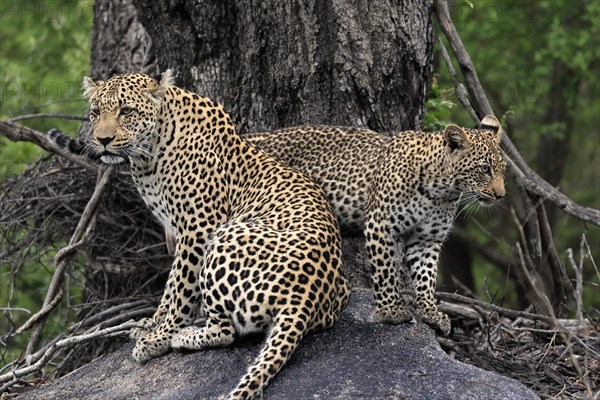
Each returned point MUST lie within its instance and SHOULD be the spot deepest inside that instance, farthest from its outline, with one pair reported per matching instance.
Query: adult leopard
(402, 190)
(257, 245)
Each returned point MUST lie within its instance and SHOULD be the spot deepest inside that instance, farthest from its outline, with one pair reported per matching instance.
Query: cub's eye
(126, 111)
(94, 112)
(485, 169)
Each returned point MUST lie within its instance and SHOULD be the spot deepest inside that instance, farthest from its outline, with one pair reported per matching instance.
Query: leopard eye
(94, 112)
(126, 111)
(485, 168)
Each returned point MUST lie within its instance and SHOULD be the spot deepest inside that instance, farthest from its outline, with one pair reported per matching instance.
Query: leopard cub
(402, 190)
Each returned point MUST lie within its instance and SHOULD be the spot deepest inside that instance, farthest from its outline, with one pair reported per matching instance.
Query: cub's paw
(148, 326)
(437, 320)
(151, 346)
(394, 314)
(185, 338)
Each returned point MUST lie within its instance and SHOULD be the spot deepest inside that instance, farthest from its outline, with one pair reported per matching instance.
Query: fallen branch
(457, 298)
(556, 325)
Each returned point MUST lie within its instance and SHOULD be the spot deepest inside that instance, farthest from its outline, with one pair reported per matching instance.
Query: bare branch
(40, 314)
(551, 320)
(489, 306)
(562, 284)
(21, 133)
(459, 88)
(578, 269)
(524, 175)
(589, 254)
(15, 309)
(47, 115)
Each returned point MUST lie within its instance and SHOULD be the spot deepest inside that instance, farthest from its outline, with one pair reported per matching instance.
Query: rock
(357, 359)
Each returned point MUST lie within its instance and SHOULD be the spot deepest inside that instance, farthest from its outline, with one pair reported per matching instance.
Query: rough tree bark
(281, 63)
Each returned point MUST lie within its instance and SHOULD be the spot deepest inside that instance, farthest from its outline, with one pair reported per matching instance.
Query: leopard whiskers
(468, 204)
(89, 151)
(139, 152)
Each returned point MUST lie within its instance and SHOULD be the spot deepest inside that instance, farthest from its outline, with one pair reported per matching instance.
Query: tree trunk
(555, 147)
(281, 63)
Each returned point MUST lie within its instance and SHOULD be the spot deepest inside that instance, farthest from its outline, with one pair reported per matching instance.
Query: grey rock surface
(357, 359)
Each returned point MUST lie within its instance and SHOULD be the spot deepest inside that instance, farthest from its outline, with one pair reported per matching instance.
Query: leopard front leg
(381, 251)
(421, 255)
(181, 301)
(150, 324)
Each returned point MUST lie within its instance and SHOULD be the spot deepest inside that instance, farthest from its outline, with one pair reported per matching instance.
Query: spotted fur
(402, 191)
(257, 245)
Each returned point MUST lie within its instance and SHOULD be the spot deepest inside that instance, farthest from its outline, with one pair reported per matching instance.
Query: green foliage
(516, 46)
(44, 53)
(539, 62)
(438, 108)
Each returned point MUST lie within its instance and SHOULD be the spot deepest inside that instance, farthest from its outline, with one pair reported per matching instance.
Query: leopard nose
(105, 140)
(499, 194)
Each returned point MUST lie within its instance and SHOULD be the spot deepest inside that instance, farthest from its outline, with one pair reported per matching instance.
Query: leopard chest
(151, 188)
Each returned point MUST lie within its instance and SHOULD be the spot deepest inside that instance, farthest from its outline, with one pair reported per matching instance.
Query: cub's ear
(456, 138)
(90, 87)
(491, 123)
(159, 91)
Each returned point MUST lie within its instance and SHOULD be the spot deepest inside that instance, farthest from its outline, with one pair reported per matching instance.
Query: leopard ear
(456, 138)
(167, 80)
(491, 123)
(90, 87)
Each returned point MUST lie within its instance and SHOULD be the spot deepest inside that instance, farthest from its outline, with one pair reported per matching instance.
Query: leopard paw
(437, 320)
(148, 326)
(394, 314)
(184, 339)
(151, 346)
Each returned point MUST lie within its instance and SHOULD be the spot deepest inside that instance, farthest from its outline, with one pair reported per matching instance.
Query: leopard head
(123, 112)
(477, 160)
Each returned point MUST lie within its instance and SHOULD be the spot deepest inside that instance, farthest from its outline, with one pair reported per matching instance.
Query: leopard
(258, 248)
(402, 191)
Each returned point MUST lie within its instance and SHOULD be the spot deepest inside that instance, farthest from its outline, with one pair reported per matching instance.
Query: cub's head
(123, 112)
(477, 160)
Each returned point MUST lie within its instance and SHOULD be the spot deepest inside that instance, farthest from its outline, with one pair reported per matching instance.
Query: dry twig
(39, 208)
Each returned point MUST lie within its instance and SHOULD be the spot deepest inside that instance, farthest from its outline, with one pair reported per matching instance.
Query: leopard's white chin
(111, 159)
